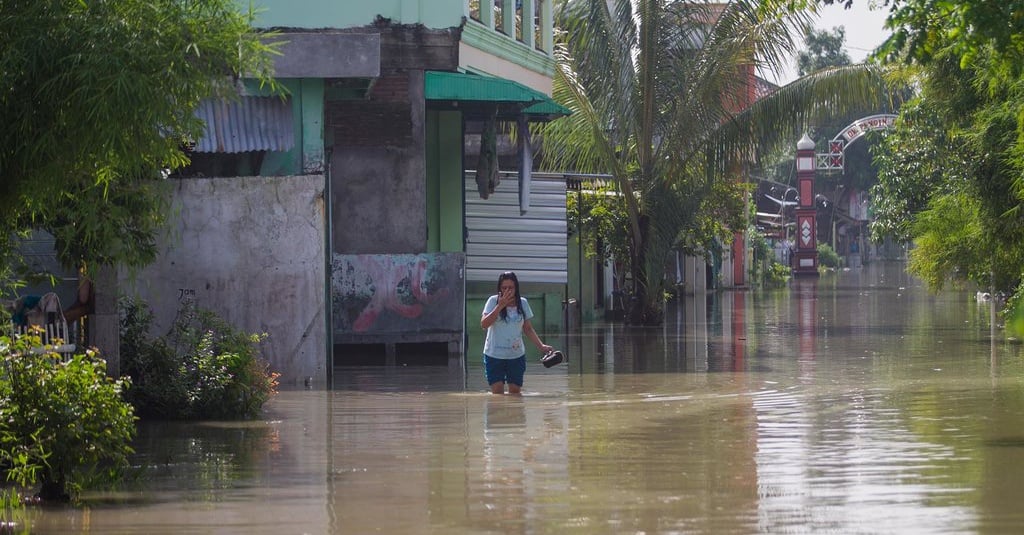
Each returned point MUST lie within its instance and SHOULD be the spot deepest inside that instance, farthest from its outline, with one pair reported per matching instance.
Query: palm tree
(661, 97)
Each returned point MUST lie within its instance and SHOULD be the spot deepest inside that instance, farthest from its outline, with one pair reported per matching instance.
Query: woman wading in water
(506, 317)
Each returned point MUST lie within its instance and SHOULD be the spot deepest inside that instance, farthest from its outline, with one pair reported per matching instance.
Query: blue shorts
(509, 371)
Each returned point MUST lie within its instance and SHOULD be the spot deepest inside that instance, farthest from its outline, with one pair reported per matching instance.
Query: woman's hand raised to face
(507, 298)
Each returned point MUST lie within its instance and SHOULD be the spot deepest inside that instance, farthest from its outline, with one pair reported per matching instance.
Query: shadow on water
(857, 403)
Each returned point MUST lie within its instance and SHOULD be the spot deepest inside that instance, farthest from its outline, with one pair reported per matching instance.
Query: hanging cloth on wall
(525, 163)
(487, 177)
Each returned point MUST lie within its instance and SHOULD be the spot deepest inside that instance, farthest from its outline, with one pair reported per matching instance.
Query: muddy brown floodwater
(856, 403)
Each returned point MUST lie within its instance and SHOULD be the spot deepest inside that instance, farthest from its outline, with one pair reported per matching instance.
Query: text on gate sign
(867, 124)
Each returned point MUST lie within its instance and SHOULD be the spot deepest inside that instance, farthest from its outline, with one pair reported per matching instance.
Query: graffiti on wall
(391, 294)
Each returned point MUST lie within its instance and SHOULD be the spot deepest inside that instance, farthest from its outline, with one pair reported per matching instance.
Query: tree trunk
(643, 308)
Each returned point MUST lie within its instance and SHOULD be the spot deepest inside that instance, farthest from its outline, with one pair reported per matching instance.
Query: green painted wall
(307, 156)
(311, 109)
(346, 14)
(445, 204)
(433, 170)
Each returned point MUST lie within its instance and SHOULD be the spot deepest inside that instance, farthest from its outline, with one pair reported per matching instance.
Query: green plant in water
(62, 422)
(14, 516)
(827, 256)
(776, 275)
(202, 369)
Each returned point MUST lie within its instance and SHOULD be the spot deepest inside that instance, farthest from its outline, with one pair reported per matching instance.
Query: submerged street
(853, 403)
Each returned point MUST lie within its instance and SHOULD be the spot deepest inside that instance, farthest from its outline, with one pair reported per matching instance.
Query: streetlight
(784, 203)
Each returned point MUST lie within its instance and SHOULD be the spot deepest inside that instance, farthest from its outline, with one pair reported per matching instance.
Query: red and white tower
(805, 258)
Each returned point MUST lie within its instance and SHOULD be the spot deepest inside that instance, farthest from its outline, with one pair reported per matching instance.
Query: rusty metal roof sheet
(247, 124)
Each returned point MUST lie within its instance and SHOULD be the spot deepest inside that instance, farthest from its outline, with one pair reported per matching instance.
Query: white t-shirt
(505, 337)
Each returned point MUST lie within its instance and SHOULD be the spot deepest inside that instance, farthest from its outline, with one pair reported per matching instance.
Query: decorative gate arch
(805, 257)
(833, 159)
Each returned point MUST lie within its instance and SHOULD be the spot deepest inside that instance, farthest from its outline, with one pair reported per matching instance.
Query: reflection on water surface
(857, 403)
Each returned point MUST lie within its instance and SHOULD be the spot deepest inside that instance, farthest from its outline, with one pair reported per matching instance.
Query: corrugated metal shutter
(244, 125)
(499, 239)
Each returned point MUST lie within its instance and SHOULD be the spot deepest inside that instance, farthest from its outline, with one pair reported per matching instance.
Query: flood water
(857, 403)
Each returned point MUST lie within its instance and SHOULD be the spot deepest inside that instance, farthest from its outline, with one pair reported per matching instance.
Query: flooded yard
(854, 403)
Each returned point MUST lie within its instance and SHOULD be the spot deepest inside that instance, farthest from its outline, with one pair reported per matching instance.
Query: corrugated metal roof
(245, 125)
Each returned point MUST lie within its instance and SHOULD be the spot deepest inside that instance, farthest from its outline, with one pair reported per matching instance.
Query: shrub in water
(777, 275)
(827, 256)
(202, 369)
(61, 422)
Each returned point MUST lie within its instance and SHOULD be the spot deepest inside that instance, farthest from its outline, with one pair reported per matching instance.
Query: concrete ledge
(327, 55)
(390, 342)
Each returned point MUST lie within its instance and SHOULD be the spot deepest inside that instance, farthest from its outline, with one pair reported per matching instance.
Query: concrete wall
(378, 148)
(378, 169)
(251, 249)
(396, 296)
(377, 201)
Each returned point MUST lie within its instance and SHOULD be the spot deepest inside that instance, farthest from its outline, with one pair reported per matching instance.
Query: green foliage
(946, 239)
(764, 270)
(203, 369)
(13, 513)
(914, 159)
(61, 422)
(596, 214)
(1014, 312)
(722, 209)
(97, 103)
(777, 275)
(762, 253)
(98, 225)
(824, 49)
(949, 173)
(827, 256)
(925, 29)
(953, 244)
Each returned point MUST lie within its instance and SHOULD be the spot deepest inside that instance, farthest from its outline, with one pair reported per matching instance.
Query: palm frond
(663, 94)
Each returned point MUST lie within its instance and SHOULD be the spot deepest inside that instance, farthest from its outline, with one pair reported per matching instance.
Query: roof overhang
(481, 95)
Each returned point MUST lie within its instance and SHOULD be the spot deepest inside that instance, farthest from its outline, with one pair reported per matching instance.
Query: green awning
(472, 92)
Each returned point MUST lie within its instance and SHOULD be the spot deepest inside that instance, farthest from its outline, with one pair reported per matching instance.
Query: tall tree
(923, 29)
(97, 101)
(823, 48)
(966, 64)
(955, 146)
(660, 93)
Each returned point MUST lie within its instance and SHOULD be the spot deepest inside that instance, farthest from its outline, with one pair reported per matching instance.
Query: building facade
(346, 219)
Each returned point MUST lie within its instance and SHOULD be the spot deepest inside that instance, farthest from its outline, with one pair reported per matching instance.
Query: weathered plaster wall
(378, 148)
(378, 204)
(251, 249)
(398, 295)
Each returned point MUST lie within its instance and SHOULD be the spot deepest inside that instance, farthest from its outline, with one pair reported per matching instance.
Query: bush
(827, 256)
(776, 275)
(61, 422)
(202, 369)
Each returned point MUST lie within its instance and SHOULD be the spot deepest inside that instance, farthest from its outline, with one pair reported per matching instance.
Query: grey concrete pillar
(104, 327)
